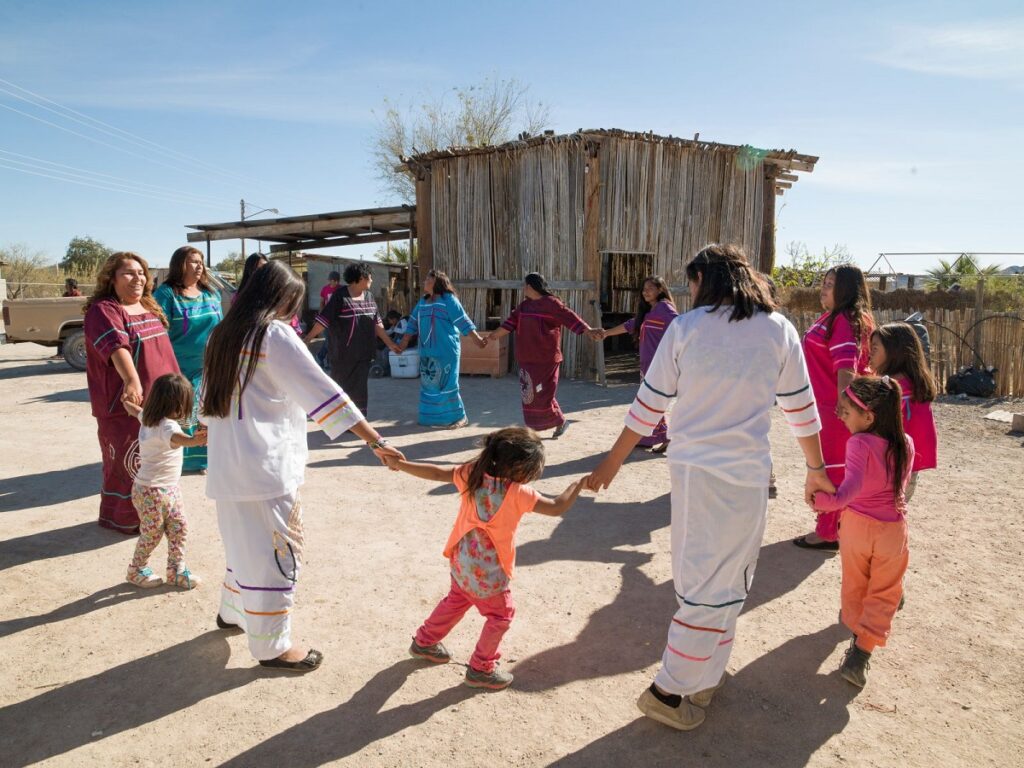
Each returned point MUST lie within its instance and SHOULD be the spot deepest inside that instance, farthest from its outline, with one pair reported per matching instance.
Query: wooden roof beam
(311, 229)
(309, 245)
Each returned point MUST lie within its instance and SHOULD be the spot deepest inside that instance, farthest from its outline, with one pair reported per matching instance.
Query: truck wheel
(74, 349)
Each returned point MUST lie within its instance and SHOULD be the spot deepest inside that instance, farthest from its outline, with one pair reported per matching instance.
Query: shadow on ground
(58, 542)
(116, 700)
(53, 487)
(351, 726)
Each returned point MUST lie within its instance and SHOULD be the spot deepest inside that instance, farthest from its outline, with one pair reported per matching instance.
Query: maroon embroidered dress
(108, 327)
(538, 324)
(655, 323)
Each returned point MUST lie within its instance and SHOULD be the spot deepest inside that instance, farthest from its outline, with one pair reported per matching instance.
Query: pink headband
(855, 400)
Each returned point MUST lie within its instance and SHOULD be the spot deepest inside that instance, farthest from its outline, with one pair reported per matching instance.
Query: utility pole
(243, 219)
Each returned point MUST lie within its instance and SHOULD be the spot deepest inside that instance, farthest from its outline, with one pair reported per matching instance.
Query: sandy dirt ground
(98, 673)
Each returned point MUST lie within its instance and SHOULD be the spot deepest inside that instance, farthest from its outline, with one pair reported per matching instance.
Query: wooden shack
(594, 211)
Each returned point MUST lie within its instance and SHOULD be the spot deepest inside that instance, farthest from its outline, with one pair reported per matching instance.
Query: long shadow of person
(119, 699)
(351, 726)
(104, 598)
(53, 487)
(57, 542)
(778, 711)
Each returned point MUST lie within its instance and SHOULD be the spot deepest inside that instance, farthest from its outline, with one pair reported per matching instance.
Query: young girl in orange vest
(481, 548)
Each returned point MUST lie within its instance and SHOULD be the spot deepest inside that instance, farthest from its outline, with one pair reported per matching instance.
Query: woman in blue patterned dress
(439, 319)
(192, 307)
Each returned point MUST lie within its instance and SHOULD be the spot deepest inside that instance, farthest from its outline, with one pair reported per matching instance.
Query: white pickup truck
(50, 322)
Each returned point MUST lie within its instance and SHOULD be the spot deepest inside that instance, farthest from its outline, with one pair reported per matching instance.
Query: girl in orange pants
(872, 504)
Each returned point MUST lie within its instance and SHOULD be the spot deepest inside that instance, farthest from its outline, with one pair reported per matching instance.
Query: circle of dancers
(177, 383)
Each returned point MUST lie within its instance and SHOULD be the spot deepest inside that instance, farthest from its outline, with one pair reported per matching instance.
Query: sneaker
(703, 698)
(184, 579)
(685, 717)
(143, 577)
(856, 665)
(495, 680)
(436, 653)
(560, 430)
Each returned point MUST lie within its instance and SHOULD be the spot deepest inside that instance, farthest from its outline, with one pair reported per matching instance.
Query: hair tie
(856, 400)
(886, 380)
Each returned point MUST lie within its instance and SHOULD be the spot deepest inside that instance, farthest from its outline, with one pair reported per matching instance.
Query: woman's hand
(602, 477)
(481, 341)
(132, 392)
(596, 334)
(388, 456)
(816, 480)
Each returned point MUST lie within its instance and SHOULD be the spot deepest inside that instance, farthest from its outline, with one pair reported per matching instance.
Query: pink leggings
(498, 611)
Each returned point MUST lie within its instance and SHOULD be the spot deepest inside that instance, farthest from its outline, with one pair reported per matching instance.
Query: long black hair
(536, 281)
(904, 356)
(726, 277)
(883, 398)
(850, 298)
(643, 307)
(176, 270)
(512, 453)
(252, 263)
(273, 291)
(442, 284)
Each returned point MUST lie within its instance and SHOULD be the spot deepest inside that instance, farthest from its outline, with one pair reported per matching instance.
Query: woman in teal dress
(439, 319)
(192, 307)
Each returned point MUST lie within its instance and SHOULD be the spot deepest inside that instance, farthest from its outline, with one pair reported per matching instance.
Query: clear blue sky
(916, 109)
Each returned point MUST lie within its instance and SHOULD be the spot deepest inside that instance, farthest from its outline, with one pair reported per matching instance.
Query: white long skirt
(717, 529)
(263, 548)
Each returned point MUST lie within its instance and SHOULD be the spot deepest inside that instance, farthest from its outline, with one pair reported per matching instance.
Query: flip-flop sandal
(827, 546)
(660, 448)
(308, 664)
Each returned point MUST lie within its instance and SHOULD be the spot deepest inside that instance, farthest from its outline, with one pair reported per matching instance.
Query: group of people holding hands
(711, 377)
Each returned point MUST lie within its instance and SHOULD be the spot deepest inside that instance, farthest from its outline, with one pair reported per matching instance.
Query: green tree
(806, 268)
(395, 253)
(20, 267)
(232, 265)
(84, 256)
(491, 112)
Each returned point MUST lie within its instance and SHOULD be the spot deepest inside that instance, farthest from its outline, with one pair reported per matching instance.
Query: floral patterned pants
(161, 511)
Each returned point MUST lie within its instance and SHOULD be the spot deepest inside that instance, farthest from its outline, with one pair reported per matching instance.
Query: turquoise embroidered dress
(439, 321)
(191, 321)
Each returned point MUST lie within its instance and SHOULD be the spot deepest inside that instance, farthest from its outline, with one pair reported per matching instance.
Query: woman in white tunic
(726, 361)
(261, 383)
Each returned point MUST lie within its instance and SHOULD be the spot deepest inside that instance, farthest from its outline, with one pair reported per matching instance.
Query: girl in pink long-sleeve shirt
(872, 506)
(896, 351)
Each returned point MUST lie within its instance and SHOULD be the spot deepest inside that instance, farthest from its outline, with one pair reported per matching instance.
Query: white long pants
(263, 549)
(717, 529)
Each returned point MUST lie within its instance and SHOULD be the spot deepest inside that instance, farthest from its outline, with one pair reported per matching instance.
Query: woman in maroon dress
(538, 322)
(127, 350)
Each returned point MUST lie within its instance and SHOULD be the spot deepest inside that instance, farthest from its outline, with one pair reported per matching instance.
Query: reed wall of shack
(650, 205)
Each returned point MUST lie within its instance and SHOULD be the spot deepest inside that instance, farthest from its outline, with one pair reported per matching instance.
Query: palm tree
(950, 273)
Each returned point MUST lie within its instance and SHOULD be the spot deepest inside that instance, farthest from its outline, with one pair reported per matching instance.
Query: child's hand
(131, 407)
(389, 457)
(391, 462)
(200, 437)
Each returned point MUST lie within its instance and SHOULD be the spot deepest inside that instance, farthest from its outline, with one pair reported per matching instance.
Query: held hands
(817, 480)
(389, 456)
(596, 334)
(199, 437)
(602, 477)
(132, 392)
(481, 341)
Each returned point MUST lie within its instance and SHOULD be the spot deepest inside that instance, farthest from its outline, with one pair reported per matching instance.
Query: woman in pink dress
(653, 316)
(837, 348)
(127, 350)
(537, 323)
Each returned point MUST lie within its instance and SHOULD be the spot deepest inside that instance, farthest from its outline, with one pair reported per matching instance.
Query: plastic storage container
(405, 365)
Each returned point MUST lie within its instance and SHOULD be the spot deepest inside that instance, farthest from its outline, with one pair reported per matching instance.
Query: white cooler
(405, 365)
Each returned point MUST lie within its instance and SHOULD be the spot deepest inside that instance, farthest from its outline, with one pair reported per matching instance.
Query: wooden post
(910, 282)
(591, 247)
(766, 259)
(979, 311)
(882, 280)
(408, 272)
(424, 228)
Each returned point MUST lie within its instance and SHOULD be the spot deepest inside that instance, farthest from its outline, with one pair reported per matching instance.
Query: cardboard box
(492, 360)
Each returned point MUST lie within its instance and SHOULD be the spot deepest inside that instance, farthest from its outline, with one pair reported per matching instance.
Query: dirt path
(97, 673)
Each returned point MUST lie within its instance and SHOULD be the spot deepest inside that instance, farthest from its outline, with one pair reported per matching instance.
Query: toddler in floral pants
(155, 493)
